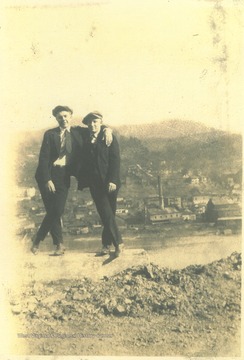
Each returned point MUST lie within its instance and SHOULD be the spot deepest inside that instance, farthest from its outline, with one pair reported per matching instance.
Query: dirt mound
(196, 291)
(143, 310)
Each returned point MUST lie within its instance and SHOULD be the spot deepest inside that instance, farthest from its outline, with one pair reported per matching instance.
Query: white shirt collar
(62, 130)
(94, 135)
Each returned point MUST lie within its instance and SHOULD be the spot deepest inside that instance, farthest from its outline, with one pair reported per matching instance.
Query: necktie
(93, 138)
(68, 143)
(65, 143)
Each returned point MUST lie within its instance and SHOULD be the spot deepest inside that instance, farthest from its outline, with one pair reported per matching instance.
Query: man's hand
(111, 187)
(50, 186)
(108, 136)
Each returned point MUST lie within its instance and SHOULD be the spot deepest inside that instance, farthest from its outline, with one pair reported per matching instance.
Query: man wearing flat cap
(57, 162)
(100, 172)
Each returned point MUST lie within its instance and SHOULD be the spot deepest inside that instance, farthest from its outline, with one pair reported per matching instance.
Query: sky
(135, 61)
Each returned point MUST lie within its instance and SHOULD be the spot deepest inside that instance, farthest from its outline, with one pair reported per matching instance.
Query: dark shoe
(60, 249)
(118, 250)
(105, 250)
(34, 249)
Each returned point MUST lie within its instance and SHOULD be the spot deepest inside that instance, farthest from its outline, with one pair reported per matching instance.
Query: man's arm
(107, 133)
(44, 158)
(114, 164)
(44, 164)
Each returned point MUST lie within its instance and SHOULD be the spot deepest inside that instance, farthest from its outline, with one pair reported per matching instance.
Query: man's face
(64, 119)
(94, 125)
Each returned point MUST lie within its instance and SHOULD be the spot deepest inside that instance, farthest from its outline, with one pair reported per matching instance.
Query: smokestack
(160, 193)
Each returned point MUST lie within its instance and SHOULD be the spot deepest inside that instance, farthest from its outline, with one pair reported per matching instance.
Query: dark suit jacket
(107, 162)
(50, 150)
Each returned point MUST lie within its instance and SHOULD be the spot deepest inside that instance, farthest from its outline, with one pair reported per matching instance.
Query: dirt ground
(184, 300)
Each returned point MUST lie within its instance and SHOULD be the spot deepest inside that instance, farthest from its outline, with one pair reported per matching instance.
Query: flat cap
(60, 108)
(92, 115)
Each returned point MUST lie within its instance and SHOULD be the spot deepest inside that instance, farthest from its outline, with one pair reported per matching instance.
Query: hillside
(220, 152)
(166, 129)
(213, 152)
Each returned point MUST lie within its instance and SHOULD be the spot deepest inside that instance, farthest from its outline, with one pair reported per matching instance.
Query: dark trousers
(54, 204)
(106, 206)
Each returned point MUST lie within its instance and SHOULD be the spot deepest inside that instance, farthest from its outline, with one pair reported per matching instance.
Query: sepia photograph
(121, 193)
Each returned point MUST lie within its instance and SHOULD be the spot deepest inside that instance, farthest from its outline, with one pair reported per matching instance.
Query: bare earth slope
(134, 305)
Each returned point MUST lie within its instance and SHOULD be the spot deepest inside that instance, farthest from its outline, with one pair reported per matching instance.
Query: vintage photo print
(121, 191)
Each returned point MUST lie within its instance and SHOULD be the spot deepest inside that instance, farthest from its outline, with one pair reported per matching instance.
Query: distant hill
(178, 144)
(166, 129)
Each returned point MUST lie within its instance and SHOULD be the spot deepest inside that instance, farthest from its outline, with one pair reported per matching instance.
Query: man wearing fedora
(57, 162)
(100, 171)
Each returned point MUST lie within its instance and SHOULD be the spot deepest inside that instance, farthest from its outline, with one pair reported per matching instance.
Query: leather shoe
(118, 250)
(105, 250)
(60, 249)
(34, 250)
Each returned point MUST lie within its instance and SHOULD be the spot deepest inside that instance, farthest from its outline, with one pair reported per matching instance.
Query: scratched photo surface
(167, 77)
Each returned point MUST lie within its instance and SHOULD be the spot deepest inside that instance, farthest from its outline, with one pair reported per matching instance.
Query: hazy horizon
(76, 122)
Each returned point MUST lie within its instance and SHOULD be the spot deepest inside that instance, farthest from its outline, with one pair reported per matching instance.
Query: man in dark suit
(59, 152)
(100, 171)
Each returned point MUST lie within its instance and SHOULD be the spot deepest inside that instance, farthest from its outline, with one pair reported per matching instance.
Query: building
(163, 215)
(122, 211)
(24, 193)
(79, 216)
(231, 221)
(30, 192)
(195, 180)
(204, 179)
(201, 199)
(228, 210)
(188, 215)
(173, 201)
(223, 212)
